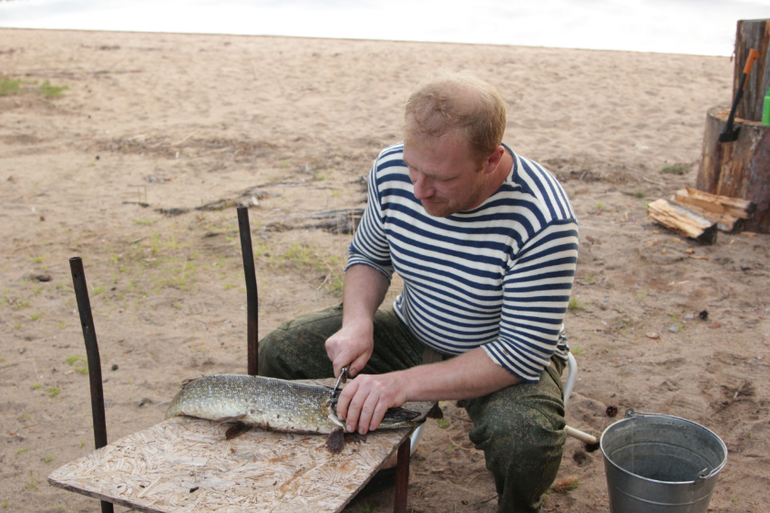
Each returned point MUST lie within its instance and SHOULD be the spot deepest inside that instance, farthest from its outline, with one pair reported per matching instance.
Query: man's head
(456, 102)
(454, 125)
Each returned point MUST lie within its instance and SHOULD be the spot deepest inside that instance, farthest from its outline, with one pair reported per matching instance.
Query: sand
(152, 127)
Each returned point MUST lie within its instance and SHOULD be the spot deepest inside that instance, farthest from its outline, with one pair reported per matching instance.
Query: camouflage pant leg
(296, 350)
(521, 431)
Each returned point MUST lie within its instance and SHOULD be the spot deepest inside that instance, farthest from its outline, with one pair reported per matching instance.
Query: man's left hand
(364, 400)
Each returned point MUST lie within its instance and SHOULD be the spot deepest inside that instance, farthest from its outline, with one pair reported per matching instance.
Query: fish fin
(336, 441)
(187, 381)
(225, 420)
(236, 430)
(400, 415)
(435, 412)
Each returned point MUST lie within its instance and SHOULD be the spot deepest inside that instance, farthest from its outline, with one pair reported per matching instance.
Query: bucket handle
(633, 413)
(707, 474)
(703, 474)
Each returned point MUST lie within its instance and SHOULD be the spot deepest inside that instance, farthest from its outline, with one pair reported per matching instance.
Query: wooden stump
(752, 34)
(739, 169)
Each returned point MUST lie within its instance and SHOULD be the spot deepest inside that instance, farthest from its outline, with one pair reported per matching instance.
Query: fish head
(331, 407)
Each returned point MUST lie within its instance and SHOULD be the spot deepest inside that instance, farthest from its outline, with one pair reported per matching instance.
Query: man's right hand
(352, 346)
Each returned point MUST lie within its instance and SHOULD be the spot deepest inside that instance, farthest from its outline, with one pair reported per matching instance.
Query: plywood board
(187, 465)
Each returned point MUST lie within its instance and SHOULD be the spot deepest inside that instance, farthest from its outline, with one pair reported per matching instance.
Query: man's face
(446, 179)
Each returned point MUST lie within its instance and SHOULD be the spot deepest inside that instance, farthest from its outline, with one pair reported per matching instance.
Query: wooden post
(752, 34)
(739, 169)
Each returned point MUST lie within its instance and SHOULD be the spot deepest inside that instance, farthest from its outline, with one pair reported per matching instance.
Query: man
(486, 243)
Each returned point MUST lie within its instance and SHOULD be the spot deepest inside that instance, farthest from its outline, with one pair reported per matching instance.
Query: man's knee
(523, 449)
(271, 361)
(525, 436)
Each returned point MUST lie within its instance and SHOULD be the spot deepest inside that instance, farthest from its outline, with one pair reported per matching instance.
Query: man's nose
(422, 188)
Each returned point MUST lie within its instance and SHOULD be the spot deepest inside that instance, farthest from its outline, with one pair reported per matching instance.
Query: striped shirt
(498, 276)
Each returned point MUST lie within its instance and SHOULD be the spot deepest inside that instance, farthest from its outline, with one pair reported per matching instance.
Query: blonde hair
(456, 101)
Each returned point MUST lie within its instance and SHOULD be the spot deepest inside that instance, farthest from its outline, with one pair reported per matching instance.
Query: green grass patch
(53, 391)
(81, 369)
(51, 91)
(144, 221)
(675, 169)
(574, 304)
(19, 305)
(303, 258)
(32, 484)
(9, 86)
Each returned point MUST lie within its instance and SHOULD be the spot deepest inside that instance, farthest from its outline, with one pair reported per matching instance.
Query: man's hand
(364, 401)
(352, 346)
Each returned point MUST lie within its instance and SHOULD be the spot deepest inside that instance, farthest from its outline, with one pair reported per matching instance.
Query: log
(739, 169)
(683, 221)
(727, 212)
(752, 34)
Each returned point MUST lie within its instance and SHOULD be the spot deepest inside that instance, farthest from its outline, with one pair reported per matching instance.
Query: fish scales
(268, 403)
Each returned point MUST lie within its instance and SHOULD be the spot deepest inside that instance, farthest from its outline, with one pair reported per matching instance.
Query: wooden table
(187, 465)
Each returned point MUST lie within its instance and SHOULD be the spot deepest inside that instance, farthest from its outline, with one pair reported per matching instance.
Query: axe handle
(753, 56)
(728, 130)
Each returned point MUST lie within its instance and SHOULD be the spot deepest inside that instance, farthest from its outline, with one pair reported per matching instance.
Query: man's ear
(490, 165)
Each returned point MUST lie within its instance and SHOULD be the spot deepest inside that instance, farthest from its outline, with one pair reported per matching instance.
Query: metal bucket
(660, 464)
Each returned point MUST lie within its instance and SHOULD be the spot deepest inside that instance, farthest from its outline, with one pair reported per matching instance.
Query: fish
(277, 405)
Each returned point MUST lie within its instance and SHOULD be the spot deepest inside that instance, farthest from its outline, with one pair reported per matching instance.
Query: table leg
(402, 476)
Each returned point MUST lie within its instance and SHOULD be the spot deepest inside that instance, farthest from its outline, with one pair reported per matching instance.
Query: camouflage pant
(520, 428)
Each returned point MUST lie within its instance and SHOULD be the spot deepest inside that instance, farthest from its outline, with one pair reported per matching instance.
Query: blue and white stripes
(498, 276)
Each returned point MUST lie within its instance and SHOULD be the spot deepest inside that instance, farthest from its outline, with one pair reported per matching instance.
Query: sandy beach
(131, 150)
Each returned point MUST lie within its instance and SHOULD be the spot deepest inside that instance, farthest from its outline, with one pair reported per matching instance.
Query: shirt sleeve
(536, 293)
(370, 243)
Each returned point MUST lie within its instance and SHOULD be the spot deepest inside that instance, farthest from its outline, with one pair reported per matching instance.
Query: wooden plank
(683, 221)
(725, 211)
(720, 205)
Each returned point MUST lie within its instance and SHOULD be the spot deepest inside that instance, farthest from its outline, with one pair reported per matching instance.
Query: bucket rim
(632, 415)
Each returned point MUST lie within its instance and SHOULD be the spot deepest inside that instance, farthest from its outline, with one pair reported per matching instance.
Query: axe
(729, 133)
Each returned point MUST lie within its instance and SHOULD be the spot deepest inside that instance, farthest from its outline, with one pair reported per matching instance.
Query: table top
(184, 464)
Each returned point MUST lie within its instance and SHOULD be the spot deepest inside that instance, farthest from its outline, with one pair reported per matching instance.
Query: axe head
(730, 133)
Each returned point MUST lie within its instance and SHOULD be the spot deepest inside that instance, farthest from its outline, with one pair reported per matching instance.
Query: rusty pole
(94, 363)
(252, 300)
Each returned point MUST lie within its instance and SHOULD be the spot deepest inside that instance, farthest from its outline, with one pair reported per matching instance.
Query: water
(700, 27)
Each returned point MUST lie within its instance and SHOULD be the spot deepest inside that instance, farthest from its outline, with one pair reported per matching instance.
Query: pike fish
(276, 404)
